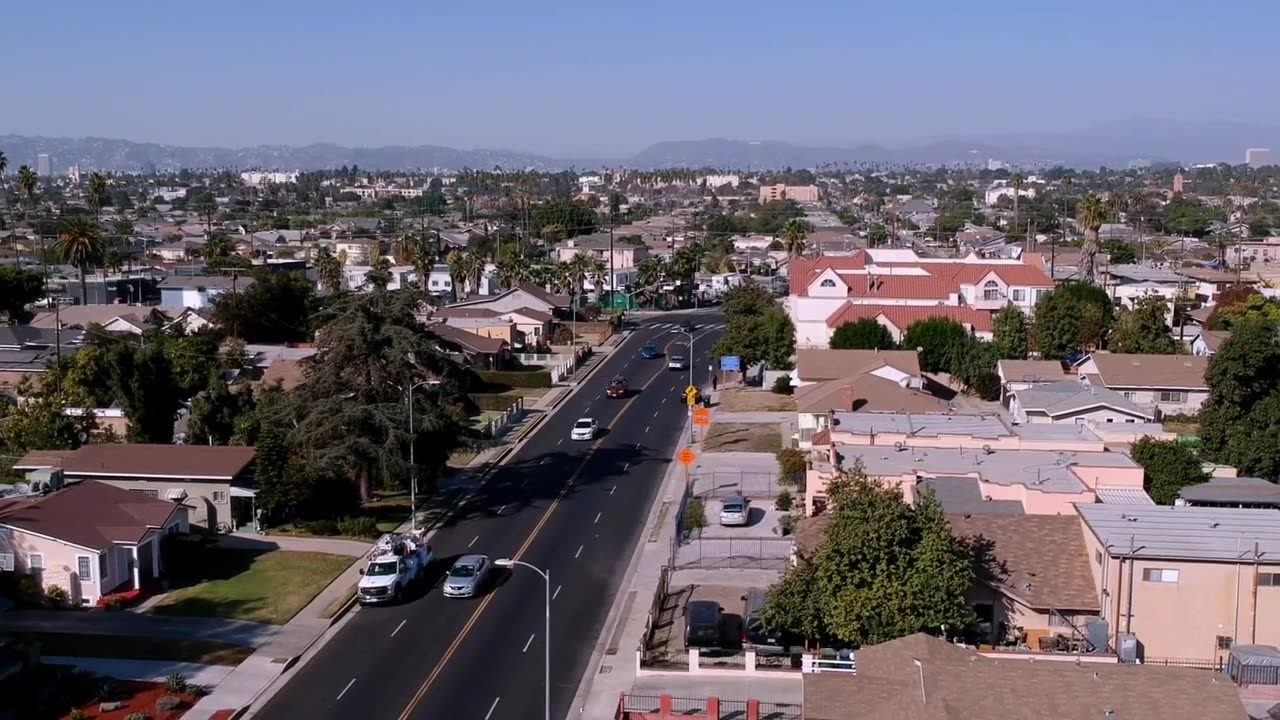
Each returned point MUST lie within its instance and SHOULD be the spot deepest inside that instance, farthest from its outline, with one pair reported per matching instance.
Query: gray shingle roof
(1067, 397)
(1244, 490)
(1185, 533)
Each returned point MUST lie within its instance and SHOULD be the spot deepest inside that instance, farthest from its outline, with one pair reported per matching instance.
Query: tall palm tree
(97, 192)
(1067, 182)
(465, 270)
(1089, 214)
(28, 183)
(80, 244)
(1016, 183)
(513, 271)
(328, 270)
(4, 198)
(793, 237)
(379, 275)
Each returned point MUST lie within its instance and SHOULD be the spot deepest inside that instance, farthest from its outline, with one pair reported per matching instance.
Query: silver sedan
(467, 576)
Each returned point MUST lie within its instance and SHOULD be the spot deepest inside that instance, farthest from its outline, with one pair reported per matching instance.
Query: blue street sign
(730, 363)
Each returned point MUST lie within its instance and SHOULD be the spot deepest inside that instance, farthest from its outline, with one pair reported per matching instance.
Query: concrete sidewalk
(145, 670)
(107, 622)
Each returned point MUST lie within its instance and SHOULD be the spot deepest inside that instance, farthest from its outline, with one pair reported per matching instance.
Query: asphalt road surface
(573, 508)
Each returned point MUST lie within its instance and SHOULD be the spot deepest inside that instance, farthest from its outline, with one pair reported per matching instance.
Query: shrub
(77, 714)
(30, 592)
(782, 385)
(787, 524)
(168, 703)
(197, 690)
(319, 527)
(531, 378)
(563, 335)
(496, 402)
(137, 716)
(176, 683)
(792, 464)
(115, 602)
(695, 516)
(360, 527)
(57, 597)
(784, 502)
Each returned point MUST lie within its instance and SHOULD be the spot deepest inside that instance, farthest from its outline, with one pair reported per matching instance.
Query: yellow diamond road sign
(691, 395)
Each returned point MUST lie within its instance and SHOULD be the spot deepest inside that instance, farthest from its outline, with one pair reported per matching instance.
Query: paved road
(574, 508)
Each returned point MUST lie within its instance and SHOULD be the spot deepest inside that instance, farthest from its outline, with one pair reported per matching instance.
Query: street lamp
(546, 576)
(413, 467)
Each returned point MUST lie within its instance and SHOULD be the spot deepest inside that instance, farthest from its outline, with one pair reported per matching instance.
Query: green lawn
(268, 587)
(389, 510)
(128, 647)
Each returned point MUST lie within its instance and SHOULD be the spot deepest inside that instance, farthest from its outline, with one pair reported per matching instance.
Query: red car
(617, 388)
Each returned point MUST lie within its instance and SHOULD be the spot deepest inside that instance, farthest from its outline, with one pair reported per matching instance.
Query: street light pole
(546, 645)
(413, 465)
(690, 336)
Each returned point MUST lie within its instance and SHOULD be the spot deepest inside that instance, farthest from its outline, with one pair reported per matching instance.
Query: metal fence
(730, 709)
(1196, 664)
(723, 483)
(771, 553)
(655, 609)
(779, 711)
(1245, 674)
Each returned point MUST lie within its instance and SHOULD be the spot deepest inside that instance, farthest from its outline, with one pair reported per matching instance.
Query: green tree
(748, 299)
(97, 193)
(145, 388)
(329, 270)
(206, 206)
(975, 367)
(215, 410)
(379, 275)
(1240, 375)
(1168, 466)
(573, 217)
(1120, 252)
(885, 569)
(1011, 334)
(939, 341)
(793, 236)
(29, 183)
(769, 338)
(1253, 443)
(1255, 306)
(878, 235)
(864, 334)
(18, 288)
(1072, 317)
(40, 423)
(1143, 329)
(276, 307)
(80, 244)
(191, 359)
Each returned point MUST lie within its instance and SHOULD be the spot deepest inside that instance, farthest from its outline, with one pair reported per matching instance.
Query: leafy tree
(1012, 334)
(939, 341)
(379, 275)
(1120, 252)
(40, 423)
(864, 334)
(276, 308)
(191, 358)
(1254, 306)
(1072, 317)
(1240, 375)
(769, 338)
(1169, 466)
(884, 570)
(145, 388)
(19, 288)
(574, 217)
(748, 299)
(975, 367)
(1143, 329)
(878, 235)
(328, 270)
(1253, 443)
(206, 206)
(215, 411)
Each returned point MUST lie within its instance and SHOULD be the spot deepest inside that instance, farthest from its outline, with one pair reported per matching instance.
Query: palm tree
(1016, 183)
(379, 275)
(513, 271)
(793, 236)
(80, 244)
(465, 270)
(1067, 182)
(28, 183)
(328, 270)
(97, 191)
(597, 271)
(1089, 214)
(4, 197)
(218, 246)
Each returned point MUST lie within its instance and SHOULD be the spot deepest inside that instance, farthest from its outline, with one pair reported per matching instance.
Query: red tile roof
(938, 281)
(903, 316)
(90, 514)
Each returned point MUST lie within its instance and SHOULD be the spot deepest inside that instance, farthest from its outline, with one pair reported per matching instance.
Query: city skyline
(608, 81)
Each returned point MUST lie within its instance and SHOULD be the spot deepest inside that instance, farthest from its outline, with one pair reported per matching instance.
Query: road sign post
(686, 458)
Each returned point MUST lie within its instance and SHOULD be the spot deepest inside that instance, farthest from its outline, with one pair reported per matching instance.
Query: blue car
(649, 352)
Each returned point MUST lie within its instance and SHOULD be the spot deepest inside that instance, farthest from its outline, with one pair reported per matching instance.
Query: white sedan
(584, 429)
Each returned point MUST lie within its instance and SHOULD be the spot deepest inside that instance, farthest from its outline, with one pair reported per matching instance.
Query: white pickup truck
(397, 562)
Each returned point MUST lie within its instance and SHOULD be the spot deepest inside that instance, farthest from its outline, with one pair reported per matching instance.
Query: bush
(77, 714)
(176, 683)
(787, 524)
(115, 602)
(30, 592)
(533, 378)
(168, 703)
(319, 527)
(57, 597)
(563, 336)
(495, 402)
(137, 716)
(359, 527)
(782, 386)
(695, 516)
(792, 464)
(784, 502)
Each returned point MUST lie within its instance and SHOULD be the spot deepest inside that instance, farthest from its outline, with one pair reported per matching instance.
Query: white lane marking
(646, 430)
(560, 441)
(575, 555)
(504, 507)
(402, 622)
(615, 487)
(345, 689)
(655, 413)
(664, 402)
(527, 644)
(473, 541)
(544, 461)
(625, 468)
(491, 707)
(556, 594)
(597, 522)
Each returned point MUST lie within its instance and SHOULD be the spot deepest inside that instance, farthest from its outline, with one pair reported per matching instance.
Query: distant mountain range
(1114, 144)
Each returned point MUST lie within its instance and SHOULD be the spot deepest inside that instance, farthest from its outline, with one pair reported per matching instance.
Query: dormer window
(991, 290)
(827, 283)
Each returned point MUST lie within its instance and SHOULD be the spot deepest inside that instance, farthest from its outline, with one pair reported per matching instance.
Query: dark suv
(702, 624)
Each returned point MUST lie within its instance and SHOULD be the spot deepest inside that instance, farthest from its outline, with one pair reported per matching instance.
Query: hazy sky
(611, 76)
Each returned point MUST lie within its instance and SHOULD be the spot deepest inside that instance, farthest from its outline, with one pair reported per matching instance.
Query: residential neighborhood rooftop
(90, 514)
(921, 425)
(1231, 490)
(1118, 370)
(1186, 533)
(182, 462)
(1041, 470)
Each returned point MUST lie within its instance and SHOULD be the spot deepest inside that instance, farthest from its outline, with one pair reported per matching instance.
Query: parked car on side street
(755, 636)
(584, 429)
(467, 576)
(617, 388)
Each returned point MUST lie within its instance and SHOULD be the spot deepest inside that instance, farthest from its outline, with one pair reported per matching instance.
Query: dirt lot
(741, 437)
(750, 400)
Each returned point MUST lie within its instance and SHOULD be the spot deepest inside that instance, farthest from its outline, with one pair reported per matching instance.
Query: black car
(702, 624)
(688, 326)
(754, 634)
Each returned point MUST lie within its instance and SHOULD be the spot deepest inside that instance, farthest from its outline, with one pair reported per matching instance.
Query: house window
(6, 562)
(1097, 557)
(1268, 579)
(1173, 397)
(35, 561)
(991, 290)
(149, 493)
(1130, 421)
(827, 283)
(1160, 575)
(219, 497)
(1019, 295)
(435, 283)
(1039, 293)
(1127, 395)
(83, 568)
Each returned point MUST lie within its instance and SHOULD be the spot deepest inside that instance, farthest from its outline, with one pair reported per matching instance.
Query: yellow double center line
(546, 515)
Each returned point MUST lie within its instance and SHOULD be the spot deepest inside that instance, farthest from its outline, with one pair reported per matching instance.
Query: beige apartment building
(798, 193)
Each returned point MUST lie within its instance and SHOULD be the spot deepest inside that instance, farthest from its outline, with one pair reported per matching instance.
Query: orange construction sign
(686, 457)
(701, 416)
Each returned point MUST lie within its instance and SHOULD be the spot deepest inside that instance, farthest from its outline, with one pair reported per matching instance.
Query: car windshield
(617, 381)
(583, 424)
(462, 571)
(677, 358)
(733, 507)
(650, 349)
(381, 568)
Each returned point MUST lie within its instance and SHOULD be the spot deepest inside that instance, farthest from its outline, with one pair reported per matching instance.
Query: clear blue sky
(611, 76)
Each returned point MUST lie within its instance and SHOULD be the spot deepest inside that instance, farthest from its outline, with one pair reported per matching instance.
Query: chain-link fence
(747, 483)
(772, 553)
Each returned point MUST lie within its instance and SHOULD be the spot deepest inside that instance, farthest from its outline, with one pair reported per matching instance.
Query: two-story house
(1170, 384)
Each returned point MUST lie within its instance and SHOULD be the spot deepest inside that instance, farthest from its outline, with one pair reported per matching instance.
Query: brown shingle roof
(951, 683)
(1031, 370)
(467, 340)
(90, 514)
(1118, 370)
(37, 459)
(816, 365)
(865, 393)
(466, 312)
(184, 462)
(1040, 560)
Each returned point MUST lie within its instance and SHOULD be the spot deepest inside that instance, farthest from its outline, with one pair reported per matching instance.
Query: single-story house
(89, 538)
(1207, 342)
(520, 297)
(1021, 374)
(1071, 401)
(481, 352)
(1171, 384)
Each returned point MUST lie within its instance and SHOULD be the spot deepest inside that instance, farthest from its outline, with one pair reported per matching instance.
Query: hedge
(496, 402)
(539, 378)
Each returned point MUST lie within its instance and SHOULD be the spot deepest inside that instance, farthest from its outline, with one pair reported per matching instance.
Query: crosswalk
(673, 326)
